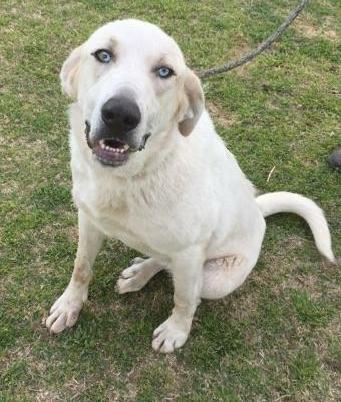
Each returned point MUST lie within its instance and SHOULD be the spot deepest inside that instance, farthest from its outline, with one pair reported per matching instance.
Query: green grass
(274, 339)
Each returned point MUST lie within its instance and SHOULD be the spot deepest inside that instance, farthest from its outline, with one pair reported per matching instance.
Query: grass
(274, 339)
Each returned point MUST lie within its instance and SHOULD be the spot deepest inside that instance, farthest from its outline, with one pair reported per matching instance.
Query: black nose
(121, 114)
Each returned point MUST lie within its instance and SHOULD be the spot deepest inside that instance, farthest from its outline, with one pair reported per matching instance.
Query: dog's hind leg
(222, 276)
(138, 274)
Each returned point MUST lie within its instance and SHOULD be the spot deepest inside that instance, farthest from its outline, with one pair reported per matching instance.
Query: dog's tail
(273, 203)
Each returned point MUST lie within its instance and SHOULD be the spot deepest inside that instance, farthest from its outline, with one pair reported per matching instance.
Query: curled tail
(273, 203)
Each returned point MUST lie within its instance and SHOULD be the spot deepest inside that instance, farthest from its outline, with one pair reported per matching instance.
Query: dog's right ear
(69, 73)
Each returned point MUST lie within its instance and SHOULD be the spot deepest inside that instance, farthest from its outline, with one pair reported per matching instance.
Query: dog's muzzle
(112, 151)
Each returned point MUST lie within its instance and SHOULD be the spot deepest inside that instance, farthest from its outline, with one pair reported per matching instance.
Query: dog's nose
(121, 114)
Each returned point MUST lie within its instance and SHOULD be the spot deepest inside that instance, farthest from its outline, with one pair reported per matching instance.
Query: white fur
(273, 203)
(183, 201)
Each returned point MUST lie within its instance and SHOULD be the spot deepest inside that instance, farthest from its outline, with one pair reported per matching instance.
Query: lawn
(277, 337)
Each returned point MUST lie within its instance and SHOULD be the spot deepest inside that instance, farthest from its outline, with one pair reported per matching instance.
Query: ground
(276, 338)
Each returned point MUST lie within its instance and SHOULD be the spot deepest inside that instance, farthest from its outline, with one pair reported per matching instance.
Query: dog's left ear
(195, 103)
(69, 73)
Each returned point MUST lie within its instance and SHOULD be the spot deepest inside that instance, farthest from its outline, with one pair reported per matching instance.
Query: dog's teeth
(111, 149)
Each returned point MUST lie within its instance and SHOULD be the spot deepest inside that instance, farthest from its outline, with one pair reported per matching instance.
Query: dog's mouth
(112, 151)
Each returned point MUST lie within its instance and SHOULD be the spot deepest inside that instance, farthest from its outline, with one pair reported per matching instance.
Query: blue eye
(103, 56)
(164, 72)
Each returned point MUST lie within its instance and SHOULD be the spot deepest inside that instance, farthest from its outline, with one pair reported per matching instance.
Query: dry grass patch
(220, 116)
(306, 27)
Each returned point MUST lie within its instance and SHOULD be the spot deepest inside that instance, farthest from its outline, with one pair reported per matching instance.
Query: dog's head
(131, 83)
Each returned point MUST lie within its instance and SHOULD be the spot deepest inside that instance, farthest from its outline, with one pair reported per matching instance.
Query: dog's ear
(195, 103)
(69, 73)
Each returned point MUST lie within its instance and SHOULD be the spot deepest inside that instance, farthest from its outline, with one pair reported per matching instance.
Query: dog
(149, 169)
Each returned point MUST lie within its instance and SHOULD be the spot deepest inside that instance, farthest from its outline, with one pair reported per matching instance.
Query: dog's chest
(120, 213)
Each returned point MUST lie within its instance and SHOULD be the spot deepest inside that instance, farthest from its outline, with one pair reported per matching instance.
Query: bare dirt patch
(222, 117)
(309, 30)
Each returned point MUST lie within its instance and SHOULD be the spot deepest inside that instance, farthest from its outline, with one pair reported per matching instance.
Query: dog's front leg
(65, 310)
(186, 268)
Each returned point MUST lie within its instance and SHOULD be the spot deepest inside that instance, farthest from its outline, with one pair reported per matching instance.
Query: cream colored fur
(183, 201)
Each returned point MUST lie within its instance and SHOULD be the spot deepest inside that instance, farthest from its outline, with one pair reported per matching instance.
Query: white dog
(149, 169)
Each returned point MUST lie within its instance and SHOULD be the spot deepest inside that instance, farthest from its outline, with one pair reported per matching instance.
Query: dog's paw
(132, 278)
(65, 311)
(136, 260)
(137, 275)
(170, 335)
